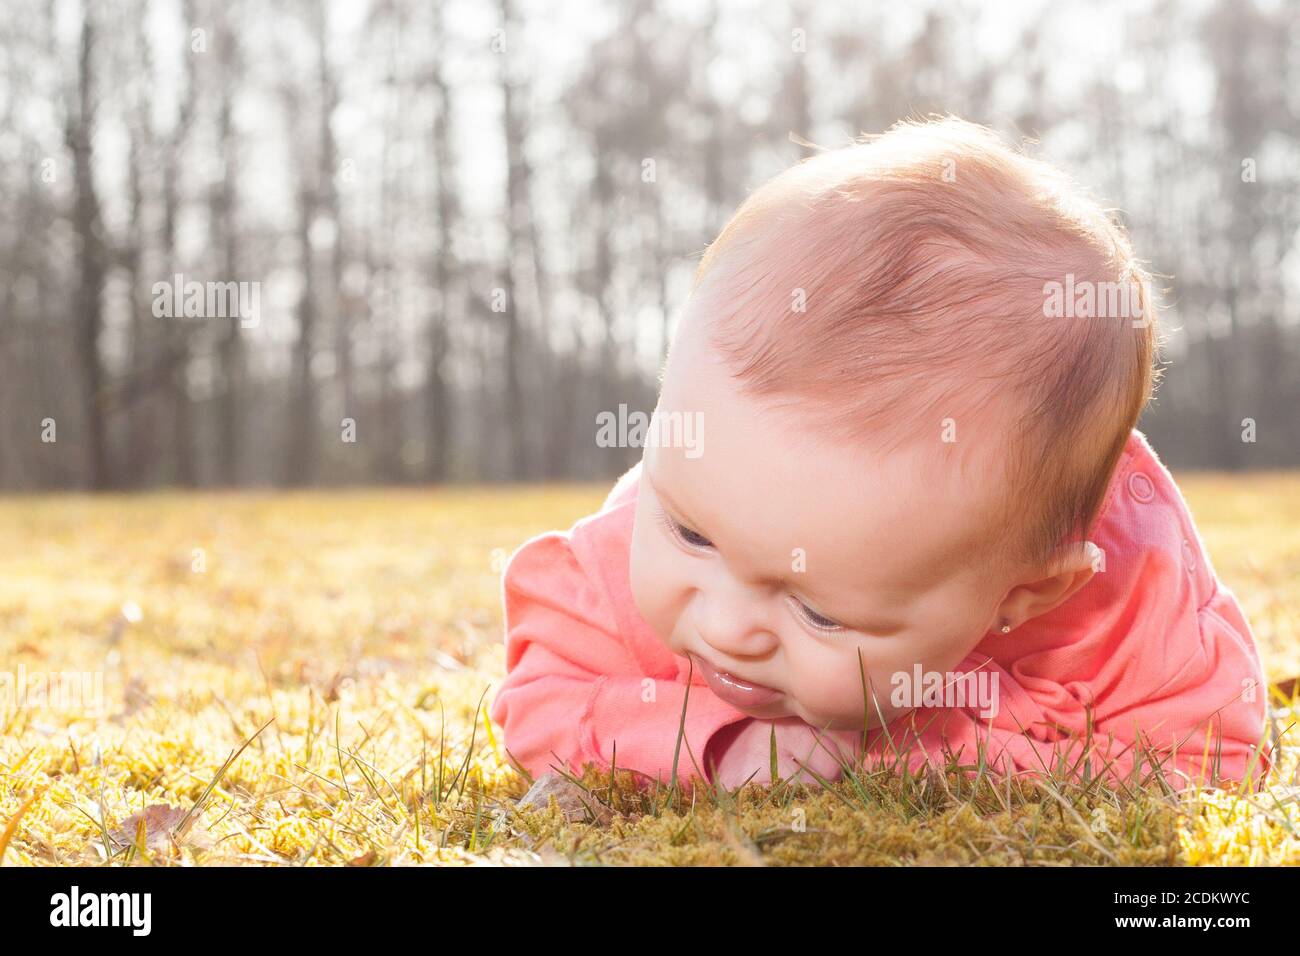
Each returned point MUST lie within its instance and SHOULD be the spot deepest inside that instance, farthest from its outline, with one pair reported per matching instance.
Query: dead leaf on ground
(160, 823)
(577, 805)
(1287, 688)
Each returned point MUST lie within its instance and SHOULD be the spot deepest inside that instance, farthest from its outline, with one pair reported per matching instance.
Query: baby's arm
(574, 690)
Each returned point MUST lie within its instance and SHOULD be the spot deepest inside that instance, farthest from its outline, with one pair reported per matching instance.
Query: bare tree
(80, 132)
(226, 239)
(176, 364)
(437, 395)
(515, 211)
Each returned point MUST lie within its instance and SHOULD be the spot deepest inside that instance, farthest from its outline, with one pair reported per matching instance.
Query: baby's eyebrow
(672, 504)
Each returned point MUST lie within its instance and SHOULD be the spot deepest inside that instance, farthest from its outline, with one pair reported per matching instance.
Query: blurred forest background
(471, 223)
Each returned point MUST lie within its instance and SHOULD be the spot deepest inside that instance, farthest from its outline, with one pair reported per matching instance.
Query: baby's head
(905, 441)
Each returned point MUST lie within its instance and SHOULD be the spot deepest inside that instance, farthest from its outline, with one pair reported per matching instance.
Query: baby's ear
(1072, 569)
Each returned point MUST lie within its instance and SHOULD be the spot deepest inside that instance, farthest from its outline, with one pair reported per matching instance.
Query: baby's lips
(734, 690)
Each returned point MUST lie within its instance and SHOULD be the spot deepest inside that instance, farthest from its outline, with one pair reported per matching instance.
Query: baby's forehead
(948, 420)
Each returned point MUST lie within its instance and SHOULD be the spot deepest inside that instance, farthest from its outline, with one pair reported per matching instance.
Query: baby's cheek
(835, 686)
(640, 578)
(826, 682)
(650, 592)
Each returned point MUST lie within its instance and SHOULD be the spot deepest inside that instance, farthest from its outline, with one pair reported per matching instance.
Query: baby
(916, 523)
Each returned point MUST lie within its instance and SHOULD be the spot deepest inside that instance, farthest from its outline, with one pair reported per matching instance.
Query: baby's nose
(732, 622)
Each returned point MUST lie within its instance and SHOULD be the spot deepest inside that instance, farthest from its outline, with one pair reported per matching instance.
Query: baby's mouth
(741, 694)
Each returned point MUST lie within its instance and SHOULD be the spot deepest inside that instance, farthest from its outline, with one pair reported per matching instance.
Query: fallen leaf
(577, 805)
(160, 823)
(1287, 687)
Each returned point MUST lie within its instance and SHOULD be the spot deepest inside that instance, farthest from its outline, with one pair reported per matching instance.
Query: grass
(304, 679)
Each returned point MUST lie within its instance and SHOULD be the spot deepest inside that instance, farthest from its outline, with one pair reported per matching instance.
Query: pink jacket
(1153, 648)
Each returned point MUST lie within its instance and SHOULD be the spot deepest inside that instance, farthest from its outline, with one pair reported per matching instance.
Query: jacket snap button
(1139, 485)
(1189, 556)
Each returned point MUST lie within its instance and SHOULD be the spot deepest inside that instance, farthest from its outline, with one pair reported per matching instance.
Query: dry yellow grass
(362, 631)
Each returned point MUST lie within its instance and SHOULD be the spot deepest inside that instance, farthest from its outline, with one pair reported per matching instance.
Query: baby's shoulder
(593, 547)
(1144, 518)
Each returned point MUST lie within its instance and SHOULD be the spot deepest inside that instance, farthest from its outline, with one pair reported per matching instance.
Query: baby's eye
(685, 535)
(819, 621)
(693, 538)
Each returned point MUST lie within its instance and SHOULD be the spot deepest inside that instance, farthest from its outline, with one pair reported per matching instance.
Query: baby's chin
(842, 722)
(773, 711)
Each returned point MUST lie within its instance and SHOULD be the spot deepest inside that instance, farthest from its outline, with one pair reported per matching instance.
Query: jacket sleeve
(574, 693)
(1231, 739)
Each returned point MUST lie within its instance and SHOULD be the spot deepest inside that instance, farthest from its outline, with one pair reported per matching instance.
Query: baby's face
(777, 558)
